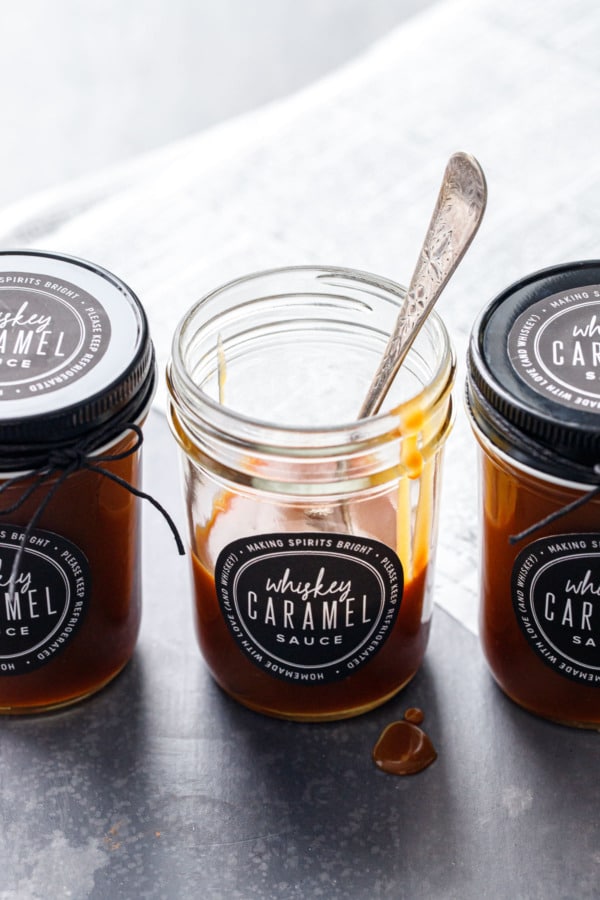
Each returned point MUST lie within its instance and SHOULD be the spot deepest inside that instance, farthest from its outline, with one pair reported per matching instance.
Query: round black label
(42, 612)
(309, 608)
(554, 347)
(556, 598)
(51, 333)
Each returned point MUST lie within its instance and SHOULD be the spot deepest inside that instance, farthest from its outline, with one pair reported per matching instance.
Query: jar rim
(200, 411)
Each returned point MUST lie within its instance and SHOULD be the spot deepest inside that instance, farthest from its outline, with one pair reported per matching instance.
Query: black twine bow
(67, 461)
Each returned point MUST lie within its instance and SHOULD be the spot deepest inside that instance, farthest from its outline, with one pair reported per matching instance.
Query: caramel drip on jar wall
(416, 488)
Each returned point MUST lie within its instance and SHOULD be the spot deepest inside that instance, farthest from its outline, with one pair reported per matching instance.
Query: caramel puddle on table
(403, 748)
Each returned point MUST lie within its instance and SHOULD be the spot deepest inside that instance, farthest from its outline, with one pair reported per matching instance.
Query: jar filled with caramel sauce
(77, 374)
(312, 534)
(533, 392)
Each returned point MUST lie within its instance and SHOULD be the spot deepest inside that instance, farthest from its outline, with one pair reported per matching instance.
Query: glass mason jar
(77, 374)
(533, 393)
(312, 533)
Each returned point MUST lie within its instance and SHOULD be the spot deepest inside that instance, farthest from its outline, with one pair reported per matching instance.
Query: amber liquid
(385, 674)
(403, 748)
(403, 517)
(101, 518)
(513, 501)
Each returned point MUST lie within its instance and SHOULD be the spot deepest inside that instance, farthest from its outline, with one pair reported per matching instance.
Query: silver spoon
(458, 212)
(457, 215)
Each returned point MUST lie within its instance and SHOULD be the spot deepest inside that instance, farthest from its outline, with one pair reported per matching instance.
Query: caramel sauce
(407, 528)
(414, 715)
(403, 748)
(385, 674)
(514, 500)
(101, 518)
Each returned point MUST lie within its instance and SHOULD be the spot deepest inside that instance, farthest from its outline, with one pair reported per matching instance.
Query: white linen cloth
(346, 173)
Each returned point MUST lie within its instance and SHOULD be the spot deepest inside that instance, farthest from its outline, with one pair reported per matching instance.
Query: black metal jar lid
(75, 355)
(533, 371)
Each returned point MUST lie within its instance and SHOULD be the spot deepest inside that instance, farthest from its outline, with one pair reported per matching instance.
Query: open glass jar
(312, 534)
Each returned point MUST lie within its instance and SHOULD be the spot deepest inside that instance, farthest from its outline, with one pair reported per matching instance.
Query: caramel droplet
(414, 715)
(403, 749)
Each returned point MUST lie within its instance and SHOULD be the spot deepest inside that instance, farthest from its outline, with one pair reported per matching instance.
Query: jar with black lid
(533, 393)
(77, 374)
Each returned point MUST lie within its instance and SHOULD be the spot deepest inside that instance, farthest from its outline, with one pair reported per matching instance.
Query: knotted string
(67, 461)
(546, 454)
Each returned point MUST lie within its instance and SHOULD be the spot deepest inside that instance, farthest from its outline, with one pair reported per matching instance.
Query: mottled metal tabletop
(162, 787)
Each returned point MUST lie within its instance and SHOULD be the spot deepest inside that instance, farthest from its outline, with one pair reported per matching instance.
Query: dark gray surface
(162, 787)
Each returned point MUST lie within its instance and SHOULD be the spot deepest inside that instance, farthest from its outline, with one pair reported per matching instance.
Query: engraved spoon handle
(455, 220)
